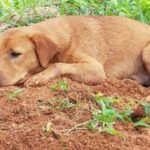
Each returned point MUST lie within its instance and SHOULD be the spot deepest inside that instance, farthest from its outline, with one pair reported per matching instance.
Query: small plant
(60, 104)
(104, 119)
(60, 85)
(147, 110)
(143, 122)
(14, 94)
(56, 104)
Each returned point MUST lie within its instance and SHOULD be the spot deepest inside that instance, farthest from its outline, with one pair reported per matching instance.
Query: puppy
(87, 49)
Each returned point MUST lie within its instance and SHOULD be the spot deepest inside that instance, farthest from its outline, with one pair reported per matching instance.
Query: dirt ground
(24, 119)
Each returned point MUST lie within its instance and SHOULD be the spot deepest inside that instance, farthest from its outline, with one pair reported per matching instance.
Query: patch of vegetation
(61, 86)
(147, 109)
(14, 94)
(138, 9)
(104, 118)
(56, 104)
(26, 12)
(143, 122)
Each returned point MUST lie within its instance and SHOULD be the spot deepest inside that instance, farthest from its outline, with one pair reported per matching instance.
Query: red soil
(22, 119)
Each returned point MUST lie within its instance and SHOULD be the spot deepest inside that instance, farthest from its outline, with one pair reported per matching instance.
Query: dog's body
(86, 49)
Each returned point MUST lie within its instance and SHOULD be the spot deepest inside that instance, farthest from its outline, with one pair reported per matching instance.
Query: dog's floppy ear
(44, 47)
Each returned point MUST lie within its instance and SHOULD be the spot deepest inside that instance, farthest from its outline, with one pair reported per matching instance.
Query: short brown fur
(83, 48)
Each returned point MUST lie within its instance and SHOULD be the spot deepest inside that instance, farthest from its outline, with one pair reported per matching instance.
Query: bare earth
(23, 119)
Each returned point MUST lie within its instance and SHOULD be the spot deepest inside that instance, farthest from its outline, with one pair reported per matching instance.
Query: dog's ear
(44, 47)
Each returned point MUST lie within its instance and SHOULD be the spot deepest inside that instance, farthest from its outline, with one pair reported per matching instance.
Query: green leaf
(67, 104)
(14, 94)
(60, 85)
(111, 130)
(92, 124)
(63, 86)
(126, 114)
(147, 110)
(106, 100)
(142, 122)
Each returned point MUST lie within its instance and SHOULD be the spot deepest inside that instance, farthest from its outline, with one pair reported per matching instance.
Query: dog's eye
(14, 54)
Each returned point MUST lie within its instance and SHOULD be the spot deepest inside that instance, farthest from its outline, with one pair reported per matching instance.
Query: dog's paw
(36, 81)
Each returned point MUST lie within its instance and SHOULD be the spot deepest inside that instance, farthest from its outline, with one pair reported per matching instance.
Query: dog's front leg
(87, 72)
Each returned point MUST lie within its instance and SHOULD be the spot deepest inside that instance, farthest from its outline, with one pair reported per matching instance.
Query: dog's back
(116, 42)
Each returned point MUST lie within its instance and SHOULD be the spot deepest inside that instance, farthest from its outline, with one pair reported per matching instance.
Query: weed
(147, 110)
(105, 118)
(60, 85)
(24, 12)
(56, 104)
(14, 94)
(143, 122)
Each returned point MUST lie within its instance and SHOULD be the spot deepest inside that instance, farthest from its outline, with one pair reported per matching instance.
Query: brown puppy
(86, 49)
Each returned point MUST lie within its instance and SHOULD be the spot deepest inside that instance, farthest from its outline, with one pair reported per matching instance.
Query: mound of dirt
(41, 118)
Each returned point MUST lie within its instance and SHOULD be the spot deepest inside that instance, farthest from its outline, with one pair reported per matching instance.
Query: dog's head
(22, 54)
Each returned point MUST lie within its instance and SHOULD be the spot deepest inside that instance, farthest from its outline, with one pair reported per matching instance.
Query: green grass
(26, 12)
